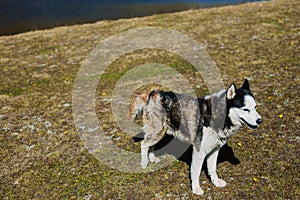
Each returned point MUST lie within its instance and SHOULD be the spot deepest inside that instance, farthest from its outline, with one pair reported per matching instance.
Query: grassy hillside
(42, 156)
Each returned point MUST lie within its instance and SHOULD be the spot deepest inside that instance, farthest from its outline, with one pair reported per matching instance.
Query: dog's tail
(138, 137)
(137, 106)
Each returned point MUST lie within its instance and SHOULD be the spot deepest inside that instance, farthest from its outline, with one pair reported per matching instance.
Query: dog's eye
(247, 110)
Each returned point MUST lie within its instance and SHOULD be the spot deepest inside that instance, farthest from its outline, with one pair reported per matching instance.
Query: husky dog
(206, 123)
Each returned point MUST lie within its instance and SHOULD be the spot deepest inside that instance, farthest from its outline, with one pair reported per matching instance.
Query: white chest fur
(212, 139)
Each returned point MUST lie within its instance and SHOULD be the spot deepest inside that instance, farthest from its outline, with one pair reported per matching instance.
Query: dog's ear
(246, 85)
(231, 91)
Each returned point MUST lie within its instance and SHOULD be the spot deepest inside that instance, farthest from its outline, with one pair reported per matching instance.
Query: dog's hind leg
(152, 157)
(212, 167)
(151, 138)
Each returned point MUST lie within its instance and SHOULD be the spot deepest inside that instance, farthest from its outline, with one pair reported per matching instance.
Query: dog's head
(242, 107)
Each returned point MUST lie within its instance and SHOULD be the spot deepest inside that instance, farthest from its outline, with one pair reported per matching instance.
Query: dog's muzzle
(258, 122)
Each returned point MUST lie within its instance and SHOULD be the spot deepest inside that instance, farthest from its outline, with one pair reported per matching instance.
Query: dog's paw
(198, 190)
(153, 158)
(219, 183)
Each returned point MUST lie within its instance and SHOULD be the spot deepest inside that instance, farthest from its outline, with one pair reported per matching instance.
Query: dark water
(18, 16)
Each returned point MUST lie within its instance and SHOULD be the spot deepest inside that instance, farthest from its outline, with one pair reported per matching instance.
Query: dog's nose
(259, 121)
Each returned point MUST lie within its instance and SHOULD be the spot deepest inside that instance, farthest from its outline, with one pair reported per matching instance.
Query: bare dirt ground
(42, 156)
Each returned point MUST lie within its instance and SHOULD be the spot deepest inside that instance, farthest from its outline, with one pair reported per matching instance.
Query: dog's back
(186, 114)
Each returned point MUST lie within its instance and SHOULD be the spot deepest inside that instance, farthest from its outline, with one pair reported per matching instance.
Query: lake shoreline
(19, 22)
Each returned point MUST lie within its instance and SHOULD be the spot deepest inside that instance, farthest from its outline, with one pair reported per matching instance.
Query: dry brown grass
(42, 155)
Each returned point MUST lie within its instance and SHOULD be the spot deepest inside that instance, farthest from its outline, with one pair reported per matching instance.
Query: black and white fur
(206, 123)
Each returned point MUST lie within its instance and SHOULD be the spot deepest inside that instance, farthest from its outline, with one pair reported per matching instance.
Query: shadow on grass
(183, 152)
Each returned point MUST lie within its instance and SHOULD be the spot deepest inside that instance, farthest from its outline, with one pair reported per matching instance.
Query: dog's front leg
(197, 161)
(212, 169)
